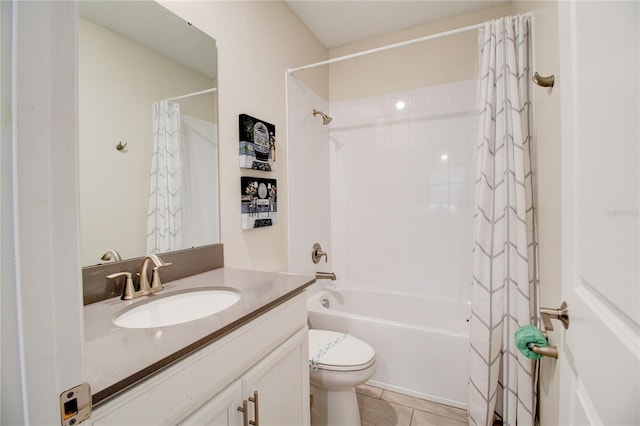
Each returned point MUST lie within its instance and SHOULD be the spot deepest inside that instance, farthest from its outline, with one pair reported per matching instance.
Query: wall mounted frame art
(259, 202)
(257, 143)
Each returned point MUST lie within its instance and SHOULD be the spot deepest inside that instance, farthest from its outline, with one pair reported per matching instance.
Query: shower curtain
(502, 381)
(164, 220)
(199, 182)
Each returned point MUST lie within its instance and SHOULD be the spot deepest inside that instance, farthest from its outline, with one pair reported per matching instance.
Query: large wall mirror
(148, 132)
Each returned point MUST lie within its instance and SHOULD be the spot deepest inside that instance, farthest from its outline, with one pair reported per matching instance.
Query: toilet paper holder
(550, 351)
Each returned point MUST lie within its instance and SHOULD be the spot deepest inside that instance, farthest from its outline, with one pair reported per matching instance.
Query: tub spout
(326, 276)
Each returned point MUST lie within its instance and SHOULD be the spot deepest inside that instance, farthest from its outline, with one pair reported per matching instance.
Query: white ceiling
(150, 24)
(334, 22)
(337, 23)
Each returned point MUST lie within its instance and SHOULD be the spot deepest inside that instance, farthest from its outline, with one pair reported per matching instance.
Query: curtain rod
(395, 45)
(188, 95)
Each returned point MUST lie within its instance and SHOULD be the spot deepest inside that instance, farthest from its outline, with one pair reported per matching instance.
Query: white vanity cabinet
(282, 387)
(268, 355)
(221, 410)
(275, 391)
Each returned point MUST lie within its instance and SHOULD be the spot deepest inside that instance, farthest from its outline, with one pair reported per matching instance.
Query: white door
(40, 285)
(599, 362)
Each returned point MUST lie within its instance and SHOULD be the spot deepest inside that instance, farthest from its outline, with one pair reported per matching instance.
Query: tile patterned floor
(380, 407)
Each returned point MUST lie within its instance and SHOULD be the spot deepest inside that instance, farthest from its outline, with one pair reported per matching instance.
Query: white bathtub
(422, 345)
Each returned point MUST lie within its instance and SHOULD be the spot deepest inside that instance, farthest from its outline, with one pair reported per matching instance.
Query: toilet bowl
(338, 363)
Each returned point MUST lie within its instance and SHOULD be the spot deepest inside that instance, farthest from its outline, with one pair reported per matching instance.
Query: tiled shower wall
(308, 179)
(401, 173)
(386, 191)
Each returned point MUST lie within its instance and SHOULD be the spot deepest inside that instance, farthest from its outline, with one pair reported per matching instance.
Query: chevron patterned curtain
(502, 381)
(164, 220)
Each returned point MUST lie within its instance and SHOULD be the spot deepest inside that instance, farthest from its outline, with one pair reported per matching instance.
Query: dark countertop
(116, 357)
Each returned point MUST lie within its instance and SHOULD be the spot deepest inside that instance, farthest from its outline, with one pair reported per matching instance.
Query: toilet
(338, 363)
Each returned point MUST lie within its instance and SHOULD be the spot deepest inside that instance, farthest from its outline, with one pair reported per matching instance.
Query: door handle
(561, 314)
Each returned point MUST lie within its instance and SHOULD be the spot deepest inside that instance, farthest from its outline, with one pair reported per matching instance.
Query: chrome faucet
(129, 292)
(156, 284)
(326, 276)
(111, 254)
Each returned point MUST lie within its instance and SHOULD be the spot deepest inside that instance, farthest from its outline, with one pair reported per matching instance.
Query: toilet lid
(331, 350)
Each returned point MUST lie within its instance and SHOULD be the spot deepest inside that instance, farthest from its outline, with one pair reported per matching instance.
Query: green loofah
(528, 336)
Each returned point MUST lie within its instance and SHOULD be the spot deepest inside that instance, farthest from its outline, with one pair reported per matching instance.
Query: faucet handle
(156, 284)
(128, 292)
(317, 253)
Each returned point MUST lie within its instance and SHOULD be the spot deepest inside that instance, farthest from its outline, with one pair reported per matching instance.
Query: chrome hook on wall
(542, 81)
(120, 147)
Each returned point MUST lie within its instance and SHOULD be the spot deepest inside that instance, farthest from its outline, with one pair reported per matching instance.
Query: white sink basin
(177, 308)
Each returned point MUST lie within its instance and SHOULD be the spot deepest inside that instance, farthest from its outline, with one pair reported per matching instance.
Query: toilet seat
(334, 351)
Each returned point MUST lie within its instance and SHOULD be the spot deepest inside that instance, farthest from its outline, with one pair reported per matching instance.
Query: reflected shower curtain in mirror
(502, 381)
(199, 182)
(164, 220)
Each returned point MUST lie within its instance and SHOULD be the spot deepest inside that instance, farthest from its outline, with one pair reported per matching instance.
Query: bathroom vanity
(248, 363)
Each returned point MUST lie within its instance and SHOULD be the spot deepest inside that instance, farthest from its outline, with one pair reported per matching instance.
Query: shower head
(325, 118)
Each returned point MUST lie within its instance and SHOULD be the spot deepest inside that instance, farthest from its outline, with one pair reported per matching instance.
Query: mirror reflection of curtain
(164, 221)
(200, 151)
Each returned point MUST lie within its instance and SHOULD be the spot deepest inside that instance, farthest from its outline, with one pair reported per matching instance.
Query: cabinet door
(221, 410)
(282, 383)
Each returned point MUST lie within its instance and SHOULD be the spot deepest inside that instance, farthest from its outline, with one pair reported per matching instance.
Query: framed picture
(257, 143)
(259, 202)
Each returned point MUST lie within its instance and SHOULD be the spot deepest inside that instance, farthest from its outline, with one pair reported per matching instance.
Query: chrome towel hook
(541, 81)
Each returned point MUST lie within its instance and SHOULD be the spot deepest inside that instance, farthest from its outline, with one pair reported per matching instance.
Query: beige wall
(445, 60)
(547, 137)
(118, 82)
(257, 42)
